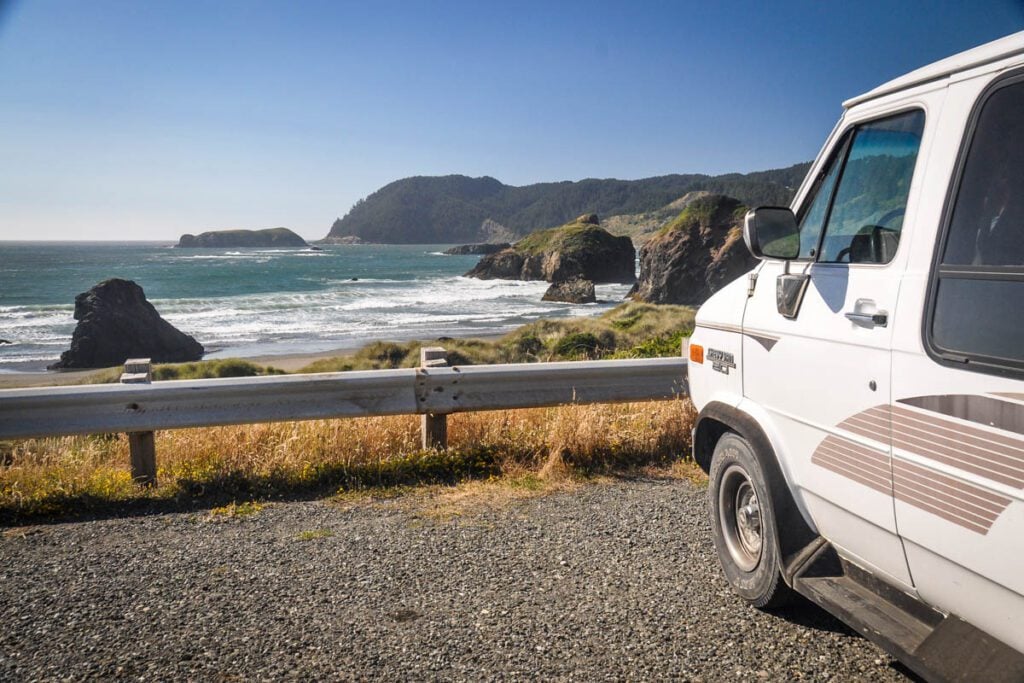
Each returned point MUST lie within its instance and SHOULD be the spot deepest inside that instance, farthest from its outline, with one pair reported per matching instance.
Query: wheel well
(717, 419)
(709, 431)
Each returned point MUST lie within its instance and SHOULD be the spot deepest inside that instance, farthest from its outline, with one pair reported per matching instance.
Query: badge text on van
(720, 361)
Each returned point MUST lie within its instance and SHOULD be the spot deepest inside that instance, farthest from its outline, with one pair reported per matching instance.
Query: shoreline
(289, 362)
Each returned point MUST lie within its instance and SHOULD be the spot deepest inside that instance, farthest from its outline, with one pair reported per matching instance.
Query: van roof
(983, 54)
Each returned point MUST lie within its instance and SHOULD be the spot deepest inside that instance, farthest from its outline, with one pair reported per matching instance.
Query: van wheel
(743, 524)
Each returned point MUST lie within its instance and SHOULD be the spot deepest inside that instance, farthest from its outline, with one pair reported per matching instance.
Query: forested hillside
(449, 209)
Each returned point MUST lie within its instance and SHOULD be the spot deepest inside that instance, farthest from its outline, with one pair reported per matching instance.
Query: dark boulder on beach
(574, 291)
(115, 323)
(581, 249)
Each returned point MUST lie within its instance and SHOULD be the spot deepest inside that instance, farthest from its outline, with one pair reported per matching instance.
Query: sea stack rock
(115, 323)
(580, 249)
(695, 255)
(574, 291)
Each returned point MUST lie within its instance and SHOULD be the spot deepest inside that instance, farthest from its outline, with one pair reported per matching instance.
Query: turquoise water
(252, 302)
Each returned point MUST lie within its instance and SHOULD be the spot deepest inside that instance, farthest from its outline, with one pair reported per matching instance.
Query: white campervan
(861, 391)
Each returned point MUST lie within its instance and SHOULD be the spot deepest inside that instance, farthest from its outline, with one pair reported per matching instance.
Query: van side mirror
(771, 232)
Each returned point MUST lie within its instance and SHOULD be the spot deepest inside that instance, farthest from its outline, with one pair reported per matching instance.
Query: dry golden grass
(528, 450)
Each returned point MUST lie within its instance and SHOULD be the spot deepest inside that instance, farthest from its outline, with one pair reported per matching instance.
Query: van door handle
(879, 319)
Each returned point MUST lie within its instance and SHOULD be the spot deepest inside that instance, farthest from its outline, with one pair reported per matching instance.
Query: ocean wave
(326, 307)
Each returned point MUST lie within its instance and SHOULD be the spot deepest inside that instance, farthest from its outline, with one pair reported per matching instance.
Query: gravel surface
(615, 581)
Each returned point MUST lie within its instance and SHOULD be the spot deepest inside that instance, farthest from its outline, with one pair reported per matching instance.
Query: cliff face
(271, 237)
(694, 256)
(580, 249)
(115, 323)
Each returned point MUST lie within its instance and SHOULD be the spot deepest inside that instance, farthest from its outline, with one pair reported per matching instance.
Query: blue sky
(144, 120)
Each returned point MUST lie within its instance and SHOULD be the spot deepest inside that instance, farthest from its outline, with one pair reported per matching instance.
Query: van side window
(865, 216)
(979, 282)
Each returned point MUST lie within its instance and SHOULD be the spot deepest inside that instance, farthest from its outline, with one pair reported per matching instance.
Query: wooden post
(434, 428)
(141, 444)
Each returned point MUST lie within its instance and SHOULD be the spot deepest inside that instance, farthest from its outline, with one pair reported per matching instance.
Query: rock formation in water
(578, 249)
(694, 256)
(218, 239)
(115, 323)
(574, 291)
(480, 249)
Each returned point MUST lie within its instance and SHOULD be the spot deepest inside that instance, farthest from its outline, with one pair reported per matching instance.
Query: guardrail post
(141, 444)
(434, 428)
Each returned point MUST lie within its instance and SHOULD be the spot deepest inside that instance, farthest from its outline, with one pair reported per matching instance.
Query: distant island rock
(217, 239)
(479, 249)
(115, 323)
(580, 248)
(695, 255)
(574, 291)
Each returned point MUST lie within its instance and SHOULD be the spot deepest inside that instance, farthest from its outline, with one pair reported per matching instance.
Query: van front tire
(744, 525)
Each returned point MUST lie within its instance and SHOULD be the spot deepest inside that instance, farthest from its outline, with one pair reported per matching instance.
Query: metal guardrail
(432, 390)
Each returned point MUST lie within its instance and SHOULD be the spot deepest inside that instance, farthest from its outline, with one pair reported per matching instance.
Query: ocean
(261, 302)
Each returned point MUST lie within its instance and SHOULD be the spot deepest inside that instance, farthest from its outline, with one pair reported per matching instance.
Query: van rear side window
(977, 317)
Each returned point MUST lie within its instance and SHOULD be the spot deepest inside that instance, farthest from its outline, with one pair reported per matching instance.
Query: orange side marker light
(697, 353)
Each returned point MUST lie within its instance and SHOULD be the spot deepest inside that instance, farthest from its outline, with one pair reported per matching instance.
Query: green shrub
(577, 344)
(229, 367)
(659, 347)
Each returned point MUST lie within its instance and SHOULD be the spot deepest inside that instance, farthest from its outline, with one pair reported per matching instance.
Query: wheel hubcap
(740, 517)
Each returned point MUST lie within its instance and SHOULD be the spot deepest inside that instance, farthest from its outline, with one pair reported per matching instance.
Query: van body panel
(907, 460)
(847, 476)
(987, 605)
(959, 495)
(717, 328)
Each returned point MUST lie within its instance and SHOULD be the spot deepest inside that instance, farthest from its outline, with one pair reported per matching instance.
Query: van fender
(797, 534)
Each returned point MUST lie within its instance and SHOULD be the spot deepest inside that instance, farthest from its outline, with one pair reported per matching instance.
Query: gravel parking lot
(612, 581)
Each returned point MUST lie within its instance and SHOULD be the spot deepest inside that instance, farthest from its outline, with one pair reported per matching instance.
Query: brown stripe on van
(923, 504)
(945, 431)
(949, 428)
(957, 459)
(952, 487)
(872, 423)
(942, 490)
(997, 457)
(850, 450)
(931, 435)
(948, 445)
(985, 410)
(854, 462)
(960, 453)
(907, 492)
